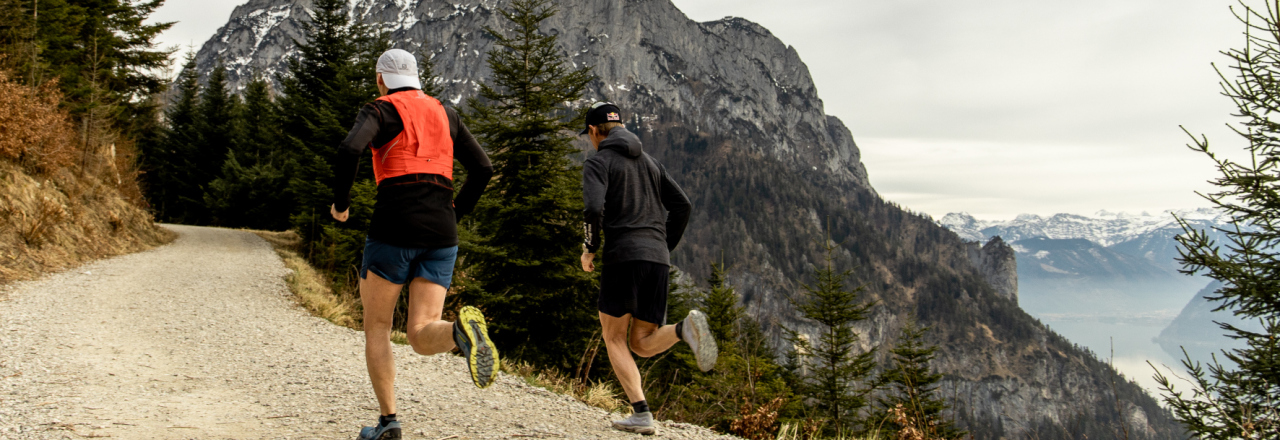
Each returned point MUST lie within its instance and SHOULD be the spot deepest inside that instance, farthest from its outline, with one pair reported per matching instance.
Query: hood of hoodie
(623, 141)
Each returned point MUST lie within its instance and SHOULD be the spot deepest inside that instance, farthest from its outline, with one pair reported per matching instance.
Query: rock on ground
(202, 339)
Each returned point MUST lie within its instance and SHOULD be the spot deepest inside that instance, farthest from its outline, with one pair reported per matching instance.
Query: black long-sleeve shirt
(413, 211)
(629, 196)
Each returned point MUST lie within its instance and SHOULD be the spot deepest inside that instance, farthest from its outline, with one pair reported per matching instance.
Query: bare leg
(614, 331)
(379, 299)
(648, 339)
(427, 333)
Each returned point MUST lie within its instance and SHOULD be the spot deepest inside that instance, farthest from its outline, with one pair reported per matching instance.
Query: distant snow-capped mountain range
(1103, 228)
(1084, 274)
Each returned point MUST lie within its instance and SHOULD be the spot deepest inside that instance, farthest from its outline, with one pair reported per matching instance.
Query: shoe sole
(482, 358)
(707, 352)
(636, 429)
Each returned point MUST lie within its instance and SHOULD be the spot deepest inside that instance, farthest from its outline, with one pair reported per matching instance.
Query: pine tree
(720, 303)
(835, 376)
(260, 124)
(746, 376)
(913, 389)
(323, 91)
(103, 54)
(529, 218)
(1241, 402)
(250, 192)
(17, 37)
(218, 127)
(165, 164)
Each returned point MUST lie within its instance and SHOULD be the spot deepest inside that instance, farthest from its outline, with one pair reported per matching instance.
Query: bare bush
(757, 424)
(34, 132)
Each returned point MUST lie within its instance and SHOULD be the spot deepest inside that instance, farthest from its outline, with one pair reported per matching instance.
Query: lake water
(1132, 341)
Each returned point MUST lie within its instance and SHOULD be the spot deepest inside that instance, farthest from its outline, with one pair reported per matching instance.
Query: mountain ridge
(1104, 227)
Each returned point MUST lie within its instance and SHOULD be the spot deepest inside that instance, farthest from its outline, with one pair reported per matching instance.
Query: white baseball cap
(399, 69)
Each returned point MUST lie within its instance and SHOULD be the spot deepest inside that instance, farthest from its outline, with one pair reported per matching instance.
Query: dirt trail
(201, 339)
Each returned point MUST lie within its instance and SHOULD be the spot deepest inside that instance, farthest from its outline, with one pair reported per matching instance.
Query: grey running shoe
(379, 432)
(641, 423)
(698, 335)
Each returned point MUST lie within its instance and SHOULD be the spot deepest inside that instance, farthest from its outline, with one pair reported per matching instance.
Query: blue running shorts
(400, 265)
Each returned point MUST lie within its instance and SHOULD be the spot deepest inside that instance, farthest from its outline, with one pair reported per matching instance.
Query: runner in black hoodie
(642, 213)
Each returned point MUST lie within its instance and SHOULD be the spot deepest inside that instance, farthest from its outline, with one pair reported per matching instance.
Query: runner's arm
(479, 170)
(678, 208)
(347, 161)
(595, 183)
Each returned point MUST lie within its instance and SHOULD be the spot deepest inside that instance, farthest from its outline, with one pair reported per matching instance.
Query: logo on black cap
(602, 112)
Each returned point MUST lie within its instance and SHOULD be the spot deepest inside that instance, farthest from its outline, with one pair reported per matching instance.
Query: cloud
(998, 180)
(1008, 106)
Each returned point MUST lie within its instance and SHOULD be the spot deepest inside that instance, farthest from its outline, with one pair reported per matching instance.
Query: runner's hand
(588, 262)
(339, 216)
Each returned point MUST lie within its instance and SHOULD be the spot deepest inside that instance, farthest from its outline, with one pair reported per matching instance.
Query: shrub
(34, 132)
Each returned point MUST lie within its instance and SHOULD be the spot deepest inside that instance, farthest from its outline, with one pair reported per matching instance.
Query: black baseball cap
(602, 112)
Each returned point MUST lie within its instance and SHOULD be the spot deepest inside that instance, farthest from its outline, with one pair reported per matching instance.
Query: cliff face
(727, 78)
(998, 264)
(733, 114)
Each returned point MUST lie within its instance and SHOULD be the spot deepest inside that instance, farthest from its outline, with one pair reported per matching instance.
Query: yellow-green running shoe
(472, 337)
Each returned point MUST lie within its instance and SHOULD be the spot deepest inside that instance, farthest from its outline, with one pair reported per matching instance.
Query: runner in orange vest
(413, 236)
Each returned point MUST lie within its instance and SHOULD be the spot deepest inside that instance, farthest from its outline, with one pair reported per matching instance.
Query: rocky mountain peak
(999, 265)
(723, 79)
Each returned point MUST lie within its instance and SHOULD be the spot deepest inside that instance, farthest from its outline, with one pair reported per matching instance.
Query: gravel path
(201, 339)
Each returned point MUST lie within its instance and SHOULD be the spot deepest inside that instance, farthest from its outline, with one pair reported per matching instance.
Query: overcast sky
(993, 107)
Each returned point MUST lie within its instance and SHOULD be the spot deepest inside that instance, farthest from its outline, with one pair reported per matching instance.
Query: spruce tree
(103, 54)
(540, 302)
(745, 377)
(912, 386)
(250, 192)
(835, 374)
(166, 164)
(720, 303)
(324, 88)
(218, 127)
(1241, 401)
(17, 37)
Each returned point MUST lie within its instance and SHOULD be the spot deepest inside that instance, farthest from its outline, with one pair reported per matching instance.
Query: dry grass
(309, 286)
(58, 214)
(61, 220)
(598, 394)
(811, 431)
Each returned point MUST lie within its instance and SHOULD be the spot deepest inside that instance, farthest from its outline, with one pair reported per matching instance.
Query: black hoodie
(631, 198)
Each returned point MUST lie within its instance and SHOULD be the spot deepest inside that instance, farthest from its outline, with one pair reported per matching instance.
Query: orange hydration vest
(424, 147)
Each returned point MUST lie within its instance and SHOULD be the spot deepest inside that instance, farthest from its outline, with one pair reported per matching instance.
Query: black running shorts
(635, 287)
